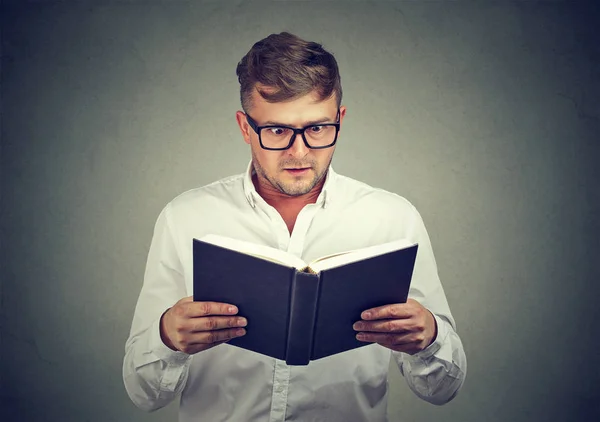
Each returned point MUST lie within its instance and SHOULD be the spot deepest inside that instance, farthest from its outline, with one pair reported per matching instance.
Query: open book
(300, 311)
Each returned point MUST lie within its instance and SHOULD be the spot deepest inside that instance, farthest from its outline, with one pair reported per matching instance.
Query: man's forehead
(309, 106)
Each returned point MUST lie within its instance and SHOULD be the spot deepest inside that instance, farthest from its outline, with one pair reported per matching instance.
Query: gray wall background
(484, 115)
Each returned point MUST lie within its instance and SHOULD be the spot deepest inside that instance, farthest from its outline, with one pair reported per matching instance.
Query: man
(289, 198)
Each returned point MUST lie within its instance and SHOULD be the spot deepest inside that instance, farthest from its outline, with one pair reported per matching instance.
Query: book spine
(303, 309)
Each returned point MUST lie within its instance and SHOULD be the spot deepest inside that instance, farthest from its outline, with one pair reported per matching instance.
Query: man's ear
(342, 114)
(244, 126)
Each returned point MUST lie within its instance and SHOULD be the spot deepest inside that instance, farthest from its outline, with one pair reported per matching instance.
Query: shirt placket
(294, 244)
(281, 379)
(297, 240)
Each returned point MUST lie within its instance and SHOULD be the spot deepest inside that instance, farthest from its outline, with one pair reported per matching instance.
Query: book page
(342, 258)
(259, 251)
(330, 256)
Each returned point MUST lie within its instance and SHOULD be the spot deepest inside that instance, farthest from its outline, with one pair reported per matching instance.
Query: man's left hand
(404, 327)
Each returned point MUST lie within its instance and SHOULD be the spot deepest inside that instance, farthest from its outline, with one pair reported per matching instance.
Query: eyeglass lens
(280, 137)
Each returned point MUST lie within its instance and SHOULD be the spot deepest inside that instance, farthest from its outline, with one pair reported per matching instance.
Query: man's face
(275, 167)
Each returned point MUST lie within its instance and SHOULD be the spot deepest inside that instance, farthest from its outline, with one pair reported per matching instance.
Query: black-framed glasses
(279, 137)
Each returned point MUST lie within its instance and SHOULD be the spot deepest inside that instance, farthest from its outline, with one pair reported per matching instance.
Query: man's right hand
(191, 327)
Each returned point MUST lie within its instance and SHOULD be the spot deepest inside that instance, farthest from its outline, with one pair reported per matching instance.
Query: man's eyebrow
(310, 123)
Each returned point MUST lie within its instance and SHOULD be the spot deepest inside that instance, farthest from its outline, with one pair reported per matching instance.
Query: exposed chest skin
(290, 208)
(289, 215)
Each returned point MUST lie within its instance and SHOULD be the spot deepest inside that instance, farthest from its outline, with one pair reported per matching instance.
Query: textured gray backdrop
(485, 115)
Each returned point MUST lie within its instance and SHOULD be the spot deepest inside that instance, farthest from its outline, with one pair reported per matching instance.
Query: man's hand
(191, 327)
(403, 327)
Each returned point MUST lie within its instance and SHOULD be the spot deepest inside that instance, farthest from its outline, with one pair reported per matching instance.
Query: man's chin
(297, 189)
(295, 192)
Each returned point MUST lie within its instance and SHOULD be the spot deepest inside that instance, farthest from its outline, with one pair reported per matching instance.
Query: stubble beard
(294, 188)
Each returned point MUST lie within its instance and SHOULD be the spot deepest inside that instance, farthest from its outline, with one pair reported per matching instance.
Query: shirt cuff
(433, 348)
(161, 350)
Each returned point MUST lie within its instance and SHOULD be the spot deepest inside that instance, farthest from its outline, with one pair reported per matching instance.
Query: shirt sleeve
(436, 373)
(153, 373)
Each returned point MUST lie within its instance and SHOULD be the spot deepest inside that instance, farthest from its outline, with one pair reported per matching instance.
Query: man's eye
(316, 129)
(277, 130)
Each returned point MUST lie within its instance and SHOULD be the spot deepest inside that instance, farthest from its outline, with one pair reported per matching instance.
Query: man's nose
(298, 148)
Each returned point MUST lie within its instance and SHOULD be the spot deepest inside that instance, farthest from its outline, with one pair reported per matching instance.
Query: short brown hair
(291, 66)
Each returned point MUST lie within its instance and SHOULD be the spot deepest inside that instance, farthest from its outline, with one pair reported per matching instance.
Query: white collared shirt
(226, 383)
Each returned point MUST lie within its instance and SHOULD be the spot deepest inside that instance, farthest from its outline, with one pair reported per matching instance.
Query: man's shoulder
(224, 189)
(354, 190)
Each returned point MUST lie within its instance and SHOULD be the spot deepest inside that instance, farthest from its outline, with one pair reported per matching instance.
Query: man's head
(287, 81)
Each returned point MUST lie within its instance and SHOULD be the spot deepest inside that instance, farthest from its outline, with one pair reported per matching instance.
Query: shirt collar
(323, 199)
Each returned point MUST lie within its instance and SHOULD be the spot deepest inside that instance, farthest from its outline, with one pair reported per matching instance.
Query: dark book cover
(297, 316)
(260, 289)
(347, 291)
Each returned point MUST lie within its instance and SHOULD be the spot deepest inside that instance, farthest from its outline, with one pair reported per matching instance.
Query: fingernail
(366, 315)
(232, 309)
(360, 336)
(357, 326)
(242, 322)
(240, 332)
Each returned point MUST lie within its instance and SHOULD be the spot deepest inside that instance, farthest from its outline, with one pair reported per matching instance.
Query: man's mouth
(297, 170)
